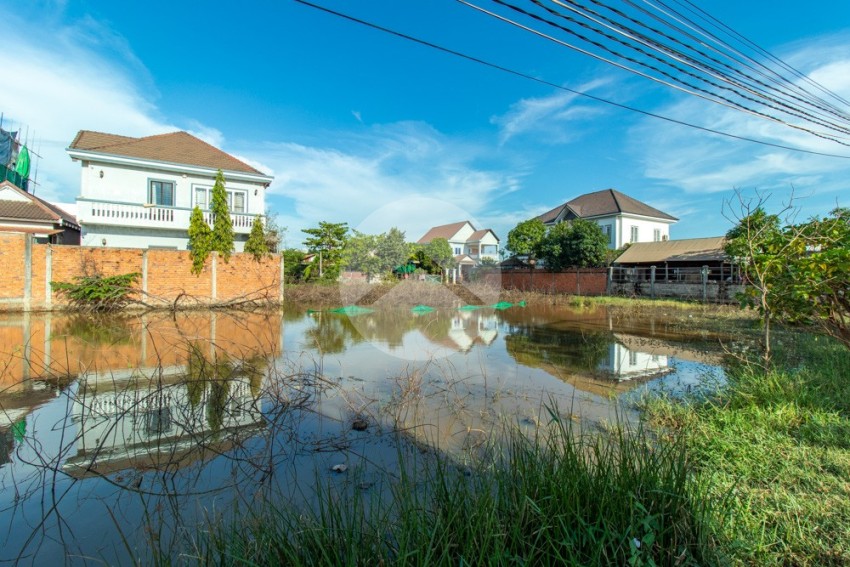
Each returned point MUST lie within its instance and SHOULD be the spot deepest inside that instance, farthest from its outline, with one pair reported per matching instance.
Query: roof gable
(603, 203)
(446, 231)
(175, 147)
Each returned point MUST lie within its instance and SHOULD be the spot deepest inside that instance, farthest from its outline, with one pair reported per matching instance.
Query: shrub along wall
(27, 268)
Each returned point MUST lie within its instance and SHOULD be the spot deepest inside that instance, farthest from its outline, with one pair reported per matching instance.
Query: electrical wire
(538, 80)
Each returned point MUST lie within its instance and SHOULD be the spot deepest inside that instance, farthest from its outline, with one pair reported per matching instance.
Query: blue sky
(366, 128)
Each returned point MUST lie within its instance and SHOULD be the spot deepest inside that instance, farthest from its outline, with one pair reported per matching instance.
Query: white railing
(149, 216)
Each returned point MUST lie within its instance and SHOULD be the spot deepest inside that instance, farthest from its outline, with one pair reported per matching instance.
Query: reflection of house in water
(471, 327)
(624, 363)
(148, 423)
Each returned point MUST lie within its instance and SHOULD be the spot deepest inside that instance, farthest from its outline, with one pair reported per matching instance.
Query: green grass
(778, 441)
(564, 499)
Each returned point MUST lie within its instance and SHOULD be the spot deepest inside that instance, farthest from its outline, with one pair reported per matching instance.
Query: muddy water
(118, 434)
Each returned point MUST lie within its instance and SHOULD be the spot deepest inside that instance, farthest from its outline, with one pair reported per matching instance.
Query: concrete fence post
(652, 282)
(214, 275)
(27, 272)
(704, 273)
(48, 275)
(144, 273)
(282, 276)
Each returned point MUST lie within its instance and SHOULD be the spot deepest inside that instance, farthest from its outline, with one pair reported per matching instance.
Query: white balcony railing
(149, 216)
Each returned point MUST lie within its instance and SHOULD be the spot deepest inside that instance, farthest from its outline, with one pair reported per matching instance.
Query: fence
(705, 283)
(166, 278)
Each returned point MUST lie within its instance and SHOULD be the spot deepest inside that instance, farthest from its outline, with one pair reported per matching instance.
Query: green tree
(222, 231)
(439, 252)
(273, 231)
(391, 250)
(256, 243)
(360, 253)
(799, 273)
(200, 240)
(578, 243)
(293, 264)
(525, 238)
(328, 242)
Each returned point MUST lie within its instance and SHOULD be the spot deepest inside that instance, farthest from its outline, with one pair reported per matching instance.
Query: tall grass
(561, 498)
(779, 442)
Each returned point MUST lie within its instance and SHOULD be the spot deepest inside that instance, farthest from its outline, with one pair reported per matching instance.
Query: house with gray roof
(21, 211)
(623, 219)
(140, 192)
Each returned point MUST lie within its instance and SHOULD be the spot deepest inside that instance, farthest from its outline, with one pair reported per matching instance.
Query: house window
(161, 193)
(632, 358)
(236, 200)
(457, 250)
(608, 232)
(656, 235)
(634, 237)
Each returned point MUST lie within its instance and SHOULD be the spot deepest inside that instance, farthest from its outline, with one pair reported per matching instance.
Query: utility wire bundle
(677, 44)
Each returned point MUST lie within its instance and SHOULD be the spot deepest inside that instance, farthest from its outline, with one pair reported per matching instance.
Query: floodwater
(119, 435)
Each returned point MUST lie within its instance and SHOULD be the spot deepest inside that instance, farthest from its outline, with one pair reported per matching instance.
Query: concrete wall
(28, 269)
(711, 291)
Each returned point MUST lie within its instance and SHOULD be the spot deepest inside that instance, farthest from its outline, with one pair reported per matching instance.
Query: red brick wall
(592, 281)
(168, 273)
(11, 265)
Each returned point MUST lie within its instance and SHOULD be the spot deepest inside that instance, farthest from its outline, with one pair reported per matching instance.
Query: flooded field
(118, 435)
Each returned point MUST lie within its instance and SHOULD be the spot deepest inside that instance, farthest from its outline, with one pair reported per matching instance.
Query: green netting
(502, 305)
(351, 310)
(469, 307)
(421, 309)
(405, 269)
(23, 166)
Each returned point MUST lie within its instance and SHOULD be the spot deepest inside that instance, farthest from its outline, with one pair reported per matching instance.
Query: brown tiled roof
(35, 209)
(688, 250)
(175, 147)
(605, 202)
(479, 234)
(443, 231)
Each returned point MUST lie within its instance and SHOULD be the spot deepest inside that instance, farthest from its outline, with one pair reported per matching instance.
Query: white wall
(139, 237)
(124, 184)
(621, 227)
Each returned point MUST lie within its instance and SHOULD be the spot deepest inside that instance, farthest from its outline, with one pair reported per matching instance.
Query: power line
(554, 85)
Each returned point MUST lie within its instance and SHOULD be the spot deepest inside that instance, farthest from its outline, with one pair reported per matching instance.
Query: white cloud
(553, 118)
(699, 166)
(406, 175)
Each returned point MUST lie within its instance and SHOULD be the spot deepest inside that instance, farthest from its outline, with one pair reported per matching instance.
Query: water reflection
(155, 420)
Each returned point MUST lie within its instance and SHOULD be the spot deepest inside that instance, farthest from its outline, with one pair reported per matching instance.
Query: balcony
(113, 213)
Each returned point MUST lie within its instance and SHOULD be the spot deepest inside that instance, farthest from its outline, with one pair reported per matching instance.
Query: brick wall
(166, 274)
(577, 282)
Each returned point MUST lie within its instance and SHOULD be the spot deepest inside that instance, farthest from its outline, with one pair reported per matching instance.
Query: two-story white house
(623, 219)
(140, 192)
(469, 245)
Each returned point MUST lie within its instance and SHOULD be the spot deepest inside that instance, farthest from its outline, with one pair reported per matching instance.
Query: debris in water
(340, 468)
(360, 424)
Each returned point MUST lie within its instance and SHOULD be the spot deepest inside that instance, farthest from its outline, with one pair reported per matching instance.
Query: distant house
(469, 245)
(24, 212)
(140, 192)
(623, 219)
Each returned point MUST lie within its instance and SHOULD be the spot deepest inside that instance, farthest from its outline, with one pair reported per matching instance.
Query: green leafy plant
(98, 293)
(221, 240)
(256, 244)
(200, 240)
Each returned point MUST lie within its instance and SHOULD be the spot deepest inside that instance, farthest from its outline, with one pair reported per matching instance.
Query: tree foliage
(578, 243)
(525, 238)
(274, 233)
(799, 273)
(328, 242)
(221, 240)
(256, 244)
(200, 240)
(376, 254)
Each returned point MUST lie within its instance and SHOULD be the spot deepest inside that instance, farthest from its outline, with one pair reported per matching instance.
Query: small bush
(98, 293)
